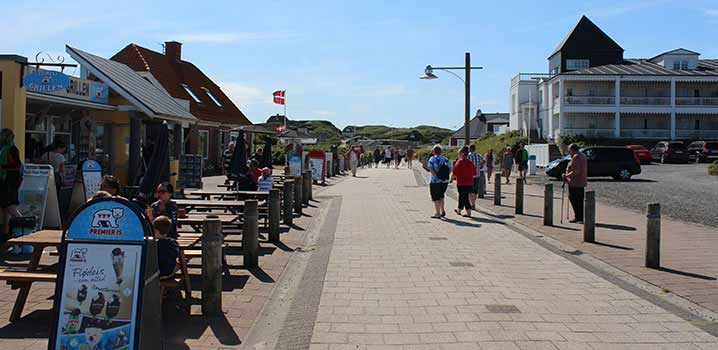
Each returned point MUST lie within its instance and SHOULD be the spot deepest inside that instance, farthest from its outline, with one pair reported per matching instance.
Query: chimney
(173, 51)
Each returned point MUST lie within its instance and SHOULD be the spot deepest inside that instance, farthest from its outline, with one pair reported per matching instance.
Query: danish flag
(279, 96)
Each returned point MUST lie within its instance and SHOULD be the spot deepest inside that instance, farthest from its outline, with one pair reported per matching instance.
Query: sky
(356, 62)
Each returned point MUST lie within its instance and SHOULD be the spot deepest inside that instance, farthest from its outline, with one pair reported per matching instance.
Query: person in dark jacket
(165, 206)
(10, 178)
(167, 248)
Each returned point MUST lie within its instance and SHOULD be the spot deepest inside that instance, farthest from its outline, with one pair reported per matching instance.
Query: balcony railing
(593, 132)
(697, 101)
(697, 134)
(646, 133)
(646, 101)
(590, 100)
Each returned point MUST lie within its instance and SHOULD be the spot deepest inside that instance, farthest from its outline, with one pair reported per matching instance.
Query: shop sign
(45, 81)
(75, 88)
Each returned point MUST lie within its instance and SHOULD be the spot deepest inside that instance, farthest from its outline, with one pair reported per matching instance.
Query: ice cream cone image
(118, 263)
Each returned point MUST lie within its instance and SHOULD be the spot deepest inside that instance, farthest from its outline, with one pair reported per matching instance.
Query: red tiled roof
(172, 75)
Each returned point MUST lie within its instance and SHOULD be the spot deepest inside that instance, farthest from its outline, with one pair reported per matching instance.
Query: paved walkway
(688, 251)
(397, 279)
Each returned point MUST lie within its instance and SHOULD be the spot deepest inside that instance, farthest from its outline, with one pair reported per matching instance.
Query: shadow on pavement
(612, 246)
(281, 246)
(616, 227)
(178, 328)
(687, 274)
(258, 273)
(461, 223)
(612, 180)
(487, 221)
(27, 326)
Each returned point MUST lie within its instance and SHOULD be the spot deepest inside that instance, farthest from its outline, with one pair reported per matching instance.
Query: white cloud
(244, 95)
(224, 37)
(323, 113)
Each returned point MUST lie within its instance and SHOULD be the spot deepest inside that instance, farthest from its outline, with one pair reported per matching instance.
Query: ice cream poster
(99, 297)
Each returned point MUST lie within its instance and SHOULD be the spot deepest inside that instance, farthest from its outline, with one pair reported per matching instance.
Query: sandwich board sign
(295, 166)
(317, 162)
(107, 295)
(38, 196)
(91, 177)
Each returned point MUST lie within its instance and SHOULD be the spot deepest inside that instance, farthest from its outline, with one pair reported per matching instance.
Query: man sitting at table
(167, 248)
(166, 206)
(265, 181)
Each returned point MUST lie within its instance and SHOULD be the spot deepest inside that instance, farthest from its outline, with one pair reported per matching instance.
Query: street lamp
(429, 75)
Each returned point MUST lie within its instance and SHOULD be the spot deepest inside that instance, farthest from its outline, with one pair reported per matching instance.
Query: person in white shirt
(265, 181)
(388, 157)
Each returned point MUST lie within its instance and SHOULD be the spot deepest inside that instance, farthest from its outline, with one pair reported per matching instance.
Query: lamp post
(429, 74)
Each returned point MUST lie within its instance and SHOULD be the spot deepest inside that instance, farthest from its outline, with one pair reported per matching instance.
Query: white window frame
(211, 96)
(684, 65)
(576, 64)
(191, 93)
(205, 144)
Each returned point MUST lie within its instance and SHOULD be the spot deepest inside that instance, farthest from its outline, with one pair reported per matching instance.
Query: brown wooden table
(207, 195)
(196, 220)
(194, 204)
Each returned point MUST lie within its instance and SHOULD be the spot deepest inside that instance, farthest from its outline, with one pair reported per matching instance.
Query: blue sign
(91, 165)
(46, 81)
(107, 220)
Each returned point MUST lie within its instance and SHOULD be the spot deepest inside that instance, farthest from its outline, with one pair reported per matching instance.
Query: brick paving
(397, 279)
(688, 251)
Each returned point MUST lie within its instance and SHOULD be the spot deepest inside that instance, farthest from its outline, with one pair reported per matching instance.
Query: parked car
(619, 163)
(641, 152)
(672, 151)
(703, 151)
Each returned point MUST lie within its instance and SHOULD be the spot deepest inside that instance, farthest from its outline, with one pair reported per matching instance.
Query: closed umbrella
(158, 170)
(238, 162)
(267, 154)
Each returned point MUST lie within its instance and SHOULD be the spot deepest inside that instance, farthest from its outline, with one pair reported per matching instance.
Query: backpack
(444, 171)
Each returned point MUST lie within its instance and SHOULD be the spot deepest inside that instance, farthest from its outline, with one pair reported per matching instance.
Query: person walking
(489, 157)
(464, 173)
(56, 158)
(440, 168)
(353, 155)
(507, 162)
(522, 159)
(10, 180)
(388, 157)
(478, 161)
(377, 156)
(397, 158)
(576, 178)
(409, 157)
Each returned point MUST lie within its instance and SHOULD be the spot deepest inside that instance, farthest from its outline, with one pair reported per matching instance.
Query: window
(214, 99)
(698, 124)
(189, 91)
(460, 142)
(684, 65)
(677, 65)
(204, 143)
(577, 64)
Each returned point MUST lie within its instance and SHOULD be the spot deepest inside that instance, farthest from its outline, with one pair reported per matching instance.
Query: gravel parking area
(686, 191)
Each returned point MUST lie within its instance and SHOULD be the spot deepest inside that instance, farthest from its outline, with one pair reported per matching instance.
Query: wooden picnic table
(194, 204)
(196, 220)
(207, 195)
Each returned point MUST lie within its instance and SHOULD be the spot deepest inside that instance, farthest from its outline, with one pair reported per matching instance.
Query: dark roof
(475, 127)
(152, 100)
(173, 74)
(644, 67)
(586, 25)
(672, 52)
(295, 134)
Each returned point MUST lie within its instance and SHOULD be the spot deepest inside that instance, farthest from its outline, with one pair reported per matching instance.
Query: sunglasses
(162, 191)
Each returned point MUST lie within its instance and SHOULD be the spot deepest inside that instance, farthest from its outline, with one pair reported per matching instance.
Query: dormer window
(577, 64)
(189, 91)
(214, 99)
(684, 65)
(677, 65)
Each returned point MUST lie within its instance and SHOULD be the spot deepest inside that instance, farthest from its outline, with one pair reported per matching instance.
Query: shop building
(217, 115)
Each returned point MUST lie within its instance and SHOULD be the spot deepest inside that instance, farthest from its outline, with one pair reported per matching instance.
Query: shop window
(204, 143)
(214, 99)
(577, 64)
(189, 91)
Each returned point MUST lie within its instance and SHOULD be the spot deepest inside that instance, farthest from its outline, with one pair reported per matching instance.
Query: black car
(673, 151)
(703, 151)
(617, 162)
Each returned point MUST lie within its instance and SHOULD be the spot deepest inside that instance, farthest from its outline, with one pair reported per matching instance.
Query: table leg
(25, 288)
(185, 279)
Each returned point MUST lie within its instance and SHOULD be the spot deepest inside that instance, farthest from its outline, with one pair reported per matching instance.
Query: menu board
(38, 197)
(190, 171)
(91, 177)
(295, 166)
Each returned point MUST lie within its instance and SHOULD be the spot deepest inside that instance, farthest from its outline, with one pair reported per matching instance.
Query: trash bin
(532, 164)
(21, 226)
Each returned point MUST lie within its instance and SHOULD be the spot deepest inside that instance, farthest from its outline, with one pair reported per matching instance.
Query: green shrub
(713, 169)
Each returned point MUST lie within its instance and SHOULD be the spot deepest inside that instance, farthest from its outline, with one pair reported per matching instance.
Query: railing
(645, 133)
(590, 100)
(593, 132)
(646, 101)
(697, 101)
(696, 134)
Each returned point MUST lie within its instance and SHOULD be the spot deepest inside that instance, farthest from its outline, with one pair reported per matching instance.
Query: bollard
(497, 189)
(298, 184)
(589, 217)
(250, 235)
(274, 215)
(307, 190)
(548, 205)
(653, 236)
(212, 240)
(288, 202)
(519, 207)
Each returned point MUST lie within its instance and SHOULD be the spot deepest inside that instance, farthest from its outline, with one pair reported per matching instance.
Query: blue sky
(357, 62)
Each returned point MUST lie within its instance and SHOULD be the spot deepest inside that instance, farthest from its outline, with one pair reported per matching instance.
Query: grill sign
(46, 81)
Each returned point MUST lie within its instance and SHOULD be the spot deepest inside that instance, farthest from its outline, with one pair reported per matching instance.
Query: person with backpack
(10, 179)
(440, 168)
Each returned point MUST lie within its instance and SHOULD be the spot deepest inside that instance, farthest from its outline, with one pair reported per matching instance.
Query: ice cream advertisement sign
(107, 221)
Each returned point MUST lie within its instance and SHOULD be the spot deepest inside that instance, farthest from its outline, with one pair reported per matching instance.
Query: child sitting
(167, 248)
(166, 206)
(265, 181)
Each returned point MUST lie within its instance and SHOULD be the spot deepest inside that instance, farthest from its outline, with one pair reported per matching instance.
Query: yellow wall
(13, 102)
(120, 137)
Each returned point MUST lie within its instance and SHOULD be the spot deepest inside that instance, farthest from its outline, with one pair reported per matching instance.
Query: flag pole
(285, 109)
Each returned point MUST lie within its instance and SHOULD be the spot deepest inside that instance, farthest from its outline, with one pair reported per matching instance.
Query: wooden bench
(26, 276)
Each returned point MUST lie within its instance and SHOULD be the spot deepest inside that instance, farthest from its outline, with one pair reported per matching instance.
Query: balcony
(646, 133)
(697, 101)
(646, 101)
(593, 132)
(590, 100)
(697, 134)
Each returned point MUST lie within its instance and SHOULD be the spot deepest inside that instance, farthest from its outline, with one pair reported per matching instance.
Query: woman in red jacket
(464, 172)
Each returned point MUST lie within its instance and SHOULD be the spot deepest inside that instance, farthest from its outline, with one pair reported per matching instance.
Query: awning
(69, 101)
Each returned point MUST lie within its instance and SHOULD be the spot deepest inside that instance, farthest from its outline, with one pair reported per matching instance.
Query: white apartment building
(592, 90)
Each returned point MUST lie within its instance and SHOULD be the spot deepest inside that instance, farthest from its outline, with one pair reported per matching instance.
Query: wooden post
(212, 240)
(274, 215)
(250, 235)
(298, 186)
(307, 190)
(548, 205)
(653, 236)
(519, 205)
(288, 201)
(497, 189)
(589, 217)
